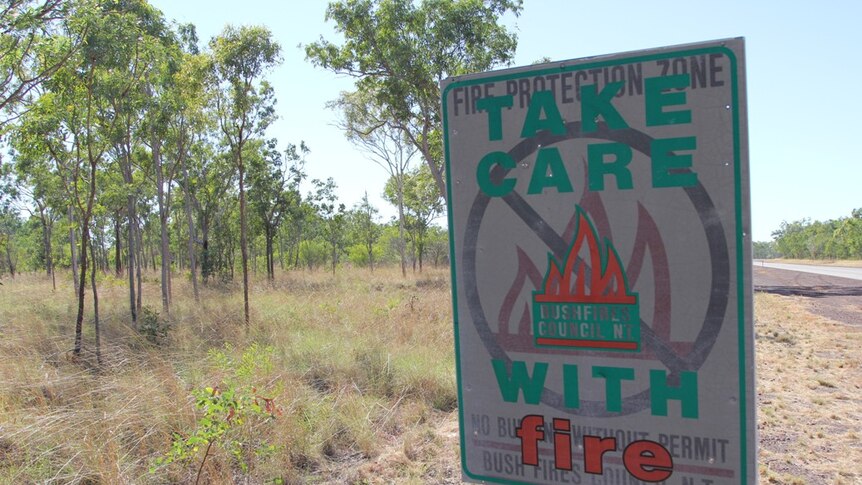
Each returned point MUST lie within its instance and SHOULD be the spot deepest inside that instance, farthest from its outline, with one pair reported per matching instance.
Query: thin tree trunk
(97, 329)
(170, 263)
(103, 251)
(132, 250)
(229, 254)
(85, 240)
(266, 253)
(421, 252)
(270, 253)
(298, 246)
(9, 259)
(51, 259)
(124, 147)
(281, 250)
(206, 257)
(272, 256)
(191, 223)
(79, 318)
(132, 246)
(401, 241)
(73, 248)
(152, 248)
(170, 278)
(140, 289)
(118, 247)
(85, 225)
(243, 241)
(46, 241)
(163, 224)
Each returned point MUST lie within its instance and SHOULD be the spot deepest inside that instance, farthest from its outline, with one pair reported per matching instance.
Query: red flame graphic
(515, 334)
(606, 282)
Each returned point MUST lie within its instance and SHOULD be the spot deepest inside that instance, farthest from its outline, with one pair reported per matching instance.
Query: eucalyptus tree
(189, 127)
(400, 50)
(367, 126)
(333, 215)
(112, 199)
(298, 209)
(99, 71)
(50, 133)
(274, 190)
(211, 177)
(10, 223)
(300, 219)
(245, 104)
(125, 140)
(10, 226)
(37, 37)
(836, 238)
(848, 236)
(28, 182)
(144, 97)
(135, 48)
(165, 170)
(88, 147)
(39, 185)
(423, 204)
(365, 228)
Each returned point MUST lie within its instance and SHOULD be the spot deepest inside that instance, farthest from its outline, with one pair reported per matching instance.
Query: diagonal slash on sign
(715, 236)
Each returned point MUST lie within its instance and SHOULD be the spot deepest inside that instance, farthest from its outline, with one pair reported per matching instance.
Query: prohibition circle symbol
(718, 253)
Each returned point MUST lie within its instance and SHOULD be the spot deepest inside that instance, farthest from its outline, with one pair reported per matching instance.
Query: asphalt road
(839, 271)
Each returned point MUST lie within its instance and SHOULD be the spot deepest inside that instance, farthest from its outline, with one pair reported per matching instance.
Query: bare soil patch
(838, 299)
(809, 377)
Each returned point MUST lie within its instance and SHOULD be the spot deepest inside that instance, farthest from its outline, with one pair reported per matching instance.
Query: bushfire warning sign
(599, 228)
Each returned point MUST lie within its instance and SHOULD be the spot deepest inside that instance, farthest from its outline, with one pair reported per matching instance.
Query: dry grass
(363, 369)
(809, 373)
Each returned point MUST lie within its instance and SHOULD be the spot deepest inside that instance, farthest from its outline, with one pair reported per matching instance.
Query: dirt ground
(838, 299)
(809, 377)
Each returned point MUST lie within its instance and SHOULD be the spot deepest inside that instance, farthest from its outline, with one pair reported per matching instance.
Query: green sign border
(740, 249)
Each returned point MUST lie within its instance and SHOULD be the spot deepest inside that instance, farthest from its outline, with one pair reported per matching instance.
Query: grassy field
(359, 368)
(809, 380)
(339, 379)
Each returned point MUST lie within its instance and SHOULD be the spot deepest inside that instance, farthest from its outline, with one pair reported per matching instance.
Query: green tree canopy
(245, 104)
(400, 50)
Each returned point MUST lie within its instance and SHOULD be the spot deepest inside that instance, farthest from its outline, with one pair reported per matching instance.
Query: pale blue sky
(804, 82)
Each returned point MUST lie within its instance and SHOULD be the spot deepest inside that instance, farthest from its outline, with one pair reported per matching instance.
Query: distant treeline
(833, 239)
(360, 240)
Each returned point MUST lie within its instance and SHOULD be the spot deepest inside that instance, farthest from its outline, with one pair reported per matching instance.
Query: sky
(804, 85)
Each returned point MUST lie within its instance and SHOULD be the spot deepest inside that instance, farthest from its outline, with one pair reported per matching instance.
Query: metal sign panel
(600, 242)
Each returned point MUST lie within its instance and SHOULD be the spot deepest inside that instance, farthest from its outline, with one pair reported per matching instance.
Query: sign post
(600, 240)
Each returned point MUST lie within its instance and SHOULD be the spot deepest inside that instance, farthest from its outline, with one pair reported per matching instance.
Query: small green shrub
(229, 414)
(154, 328)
